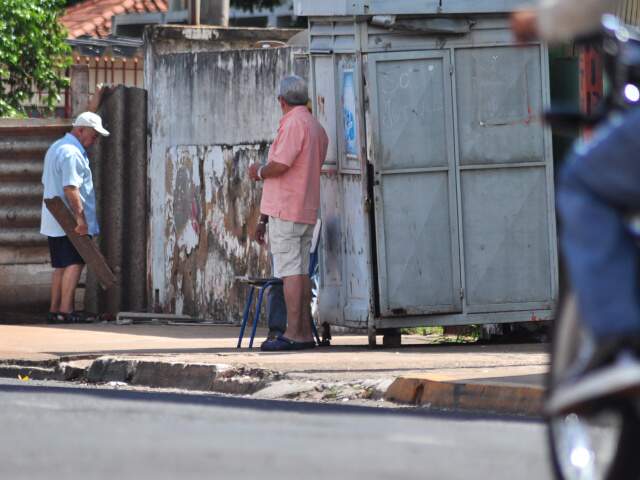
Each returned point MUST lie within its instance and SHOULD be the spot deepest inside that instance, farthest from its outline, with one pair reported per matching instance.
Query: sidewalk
(498, 378)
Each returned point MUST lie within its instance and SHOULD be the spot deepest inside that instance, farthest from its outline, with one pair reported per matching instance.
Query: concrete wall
(212, 112)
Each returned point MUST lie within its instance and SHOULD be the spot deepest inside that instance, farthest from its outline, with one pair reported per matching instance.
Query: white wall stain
(213, 114)
(200, 33)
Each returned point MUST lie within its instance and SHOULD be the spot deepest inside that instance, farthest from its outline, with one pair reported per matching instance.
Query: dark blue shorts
(63, 253)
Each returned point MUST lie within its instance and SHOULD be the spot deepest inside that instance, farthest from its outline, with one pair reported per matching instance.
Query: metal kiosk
(437, 191)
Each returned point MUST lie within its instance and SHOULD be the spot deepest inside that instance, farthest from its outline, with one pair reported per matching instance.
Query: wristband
(260, 173)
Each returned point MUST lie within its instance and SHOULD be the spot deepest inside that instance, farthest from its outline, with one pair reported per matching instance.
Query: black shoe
(613, 372)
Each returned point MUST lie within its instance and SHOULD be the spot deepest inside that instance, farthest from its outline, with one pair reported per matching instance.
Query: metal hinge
(461, 293)
(450, 69)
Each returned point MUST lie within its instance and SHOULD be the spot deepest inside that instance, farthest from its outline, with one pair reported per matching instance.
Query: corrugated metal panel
(119, 166)
(25, 274)
(330, 36)
(629, 11)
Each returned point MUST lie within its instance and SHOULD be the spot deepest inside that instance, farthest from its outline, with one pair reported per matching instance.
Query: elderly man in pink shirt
(290, 202)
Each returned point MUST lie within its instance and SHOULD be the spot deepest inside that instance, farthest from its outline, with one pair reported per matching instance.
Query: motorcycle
(601, 443)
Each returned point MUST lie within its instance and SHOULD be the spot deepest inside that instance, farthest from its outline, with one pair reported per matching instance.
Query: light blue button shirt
(66, 164)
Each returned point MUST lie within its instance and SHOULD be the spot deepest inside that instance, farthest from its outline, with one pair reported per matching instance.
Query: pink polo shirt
(301, 144)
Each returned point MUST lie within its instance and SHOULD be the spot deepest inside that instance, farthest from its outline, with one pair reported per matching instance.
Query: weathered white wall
(211, 115)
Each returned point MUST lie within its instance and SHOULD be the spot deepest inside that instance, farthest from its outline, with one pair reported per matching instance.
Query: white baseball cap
(92, 120)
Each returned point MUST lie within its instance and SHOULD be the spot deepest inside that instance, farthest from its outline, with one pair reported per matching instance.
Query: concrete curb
(471, 396)
(46, 370)
(220, 378)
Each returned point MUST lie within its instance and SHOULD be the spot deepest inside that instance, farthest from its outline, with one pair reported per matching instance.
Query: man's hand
(253, 172)
(96, 99)
(81, 227)
(524, 24)
(261, 230)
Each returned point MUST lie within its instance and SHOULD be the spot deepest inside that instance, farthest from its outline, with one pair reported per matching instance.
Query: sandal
(283, 344)
(55, 317)
(78, 317)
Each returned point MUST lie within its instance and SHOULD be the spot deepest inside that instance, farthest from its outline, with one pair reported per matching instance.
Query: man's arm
(72, 195)
(270, 170)
(96, 98)
(560, 20)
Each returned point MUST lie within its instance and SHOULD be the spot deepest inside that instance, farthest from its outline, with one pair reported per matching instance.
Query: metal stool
(261, 284)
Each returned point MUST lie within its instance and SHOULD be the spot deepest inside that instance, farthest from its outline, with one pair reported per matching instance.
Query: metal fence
(112, 70)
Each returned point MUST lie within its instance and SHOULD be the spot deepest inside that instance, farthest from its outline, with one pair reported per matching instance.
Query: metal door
(414, 187)
(506, 180)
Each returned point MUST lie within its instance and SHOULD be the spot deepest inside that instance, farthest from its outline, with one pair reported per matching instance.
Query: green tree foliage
(33, 53)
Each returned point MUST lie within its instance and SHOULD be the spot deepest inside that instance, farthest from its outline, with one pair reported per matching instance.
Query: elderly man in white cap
(67, 175)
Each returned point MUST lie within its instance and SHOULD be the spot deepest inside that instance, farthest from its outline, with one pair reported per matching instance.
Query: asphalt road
(57, 431)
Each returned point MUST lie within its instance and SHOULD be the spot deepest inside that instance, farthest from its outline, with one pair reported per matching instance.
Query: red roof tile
(93, 17)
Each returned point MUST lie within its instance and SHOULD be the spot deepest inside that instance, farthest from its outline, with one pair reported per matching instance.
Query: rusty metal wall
(212, 113)
(25, 273)
(119, 166)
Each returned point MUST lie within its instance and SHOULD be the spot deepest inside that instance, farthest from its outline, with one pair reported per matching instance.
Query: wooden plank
(87, 249)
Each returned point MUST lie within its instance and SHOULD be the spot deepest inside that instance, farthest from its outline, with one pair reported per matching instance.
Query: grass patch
(422, 331)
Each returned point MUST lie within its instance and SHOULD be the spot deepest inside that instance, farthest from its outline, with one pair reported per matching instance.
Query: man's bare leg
(70, 279)
(298, 314)
(56, 289)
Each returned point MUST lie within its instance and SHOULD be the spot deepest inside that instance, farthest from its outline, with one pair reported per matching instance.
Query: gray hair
(293, 90)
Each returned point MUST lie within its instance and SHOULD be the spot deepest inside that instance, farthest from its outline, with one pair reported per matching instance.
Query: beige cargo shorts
(290, 245)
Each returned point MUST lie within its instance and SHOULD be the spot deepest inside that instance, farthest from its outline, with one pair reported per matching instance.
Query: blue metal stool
(254, 283)
(263, 283)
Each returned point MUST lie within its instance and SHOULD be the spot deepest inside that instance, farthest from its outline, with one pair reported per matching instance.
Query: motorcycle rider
(598, 183)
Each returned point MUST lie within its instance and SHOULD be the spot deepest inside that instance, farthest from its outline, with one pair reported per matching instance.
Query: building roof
(93, 17)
